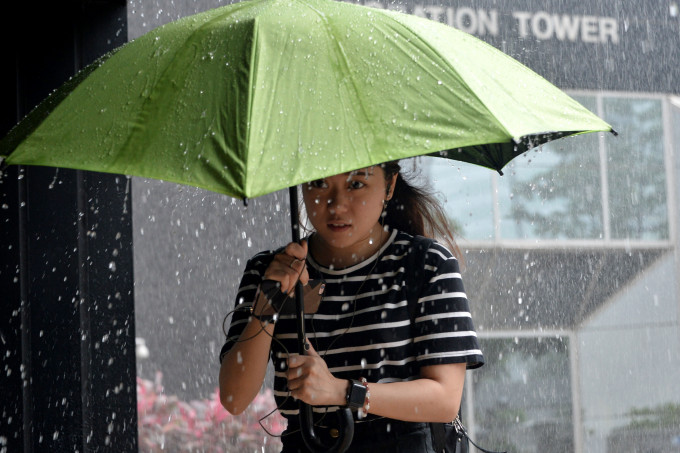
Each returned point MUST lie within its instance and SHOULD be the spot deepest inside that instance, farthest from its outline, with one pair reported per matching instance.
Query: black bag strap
(414, 272)
(414, 285)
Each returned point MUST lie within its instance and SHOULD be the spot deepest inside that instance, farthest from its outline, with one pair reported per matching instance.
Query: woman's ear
(389, 191)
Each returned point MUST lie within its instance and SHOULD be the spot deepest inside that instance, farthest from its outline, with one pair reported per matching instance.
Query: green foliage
(169, 425)
(663, 416)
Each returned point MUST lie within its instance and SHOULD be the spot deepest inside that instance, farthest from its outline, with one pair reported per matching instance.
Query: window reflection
(466, 189)
(635, 169)
(554, 192)
(523, 402)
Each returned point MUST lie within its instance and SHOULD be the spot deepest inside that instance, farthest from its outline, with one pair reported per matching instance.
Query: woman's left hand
(310, 380)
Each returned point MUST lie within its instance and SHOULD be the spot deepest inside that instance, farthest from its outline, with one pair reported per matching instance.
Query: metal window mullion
(603, 175)
(669, 164)
(496, 209)
(671, 105)
(470, 420)
(575, 372)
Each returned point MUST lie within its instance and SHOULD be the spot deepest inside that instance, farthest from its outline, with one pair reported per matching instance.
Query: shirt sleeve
(444, 329)
(252, 276)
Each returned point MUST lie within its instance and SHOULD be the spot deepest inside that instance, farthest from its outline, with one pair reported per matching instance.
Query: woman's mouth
(338, 227)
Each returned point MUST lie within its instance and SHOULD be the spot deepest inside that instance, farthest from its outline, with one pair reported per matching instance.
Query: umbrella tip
(614, 133)
(245, 202)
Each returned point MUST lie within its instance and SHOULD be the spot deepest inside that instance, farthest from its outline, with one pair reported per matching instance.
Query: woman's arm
(435, 397)
(243, 368)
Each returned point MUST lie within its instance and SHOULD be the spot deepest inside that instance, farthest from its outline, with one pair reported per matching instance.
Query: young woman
(405, 357)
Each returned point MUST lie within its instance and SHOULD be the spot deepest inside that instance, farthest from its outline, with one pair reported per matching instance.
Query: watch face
(356, 394)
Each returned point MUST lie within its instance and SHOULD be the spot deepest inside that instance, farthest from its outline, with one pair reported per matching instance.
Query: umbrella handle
(344, 415)
(345, 425)
(345, 430)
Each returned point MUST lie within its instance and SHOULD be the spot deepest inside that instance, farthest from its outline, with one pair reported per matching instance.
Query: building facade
(571, 256)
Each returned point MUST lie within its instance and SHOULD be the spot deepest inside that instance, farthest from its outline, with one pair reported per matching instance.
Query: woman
(409, 356)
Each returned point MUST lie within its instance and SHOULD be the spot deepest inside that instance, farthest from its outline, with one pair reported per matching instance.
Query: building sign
(588, 29)
(574, 44)
(541, 25)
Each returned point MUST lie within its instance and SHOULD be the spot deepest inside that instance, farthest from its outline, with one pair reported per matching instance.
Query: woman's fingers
(289, 266)
(310, 380)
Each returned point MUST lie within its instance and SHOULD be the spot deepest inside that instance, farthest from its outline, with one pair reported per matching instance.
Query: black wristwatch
(356, 394)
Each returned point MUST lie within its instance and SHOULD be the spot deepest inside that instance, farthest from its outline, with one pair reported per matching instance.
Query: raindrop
(112, 266)
(363, 363)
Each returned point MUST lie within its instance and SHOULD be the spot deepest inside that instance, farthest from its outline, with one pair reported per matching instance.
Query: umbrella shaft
(299, 306)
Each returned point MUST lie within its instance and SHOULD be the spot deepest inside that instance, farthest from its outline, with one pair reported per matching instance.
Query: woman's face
(345, 210)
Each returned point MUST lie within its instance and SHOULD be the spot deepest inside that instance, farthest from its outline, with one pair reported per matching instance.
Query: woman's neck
(339, 258)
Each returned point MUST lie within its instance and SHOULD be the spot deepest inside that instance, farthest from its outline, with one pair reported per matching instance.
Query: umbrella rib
(344, 62)
(444, 63)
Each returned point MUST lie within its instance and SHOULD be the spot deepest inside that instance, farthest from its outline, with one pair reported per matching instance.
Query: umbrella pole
(344, 415)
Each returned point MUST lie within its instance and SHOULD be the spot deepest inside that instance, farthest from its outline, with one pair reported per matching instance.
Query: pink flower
(169, 424)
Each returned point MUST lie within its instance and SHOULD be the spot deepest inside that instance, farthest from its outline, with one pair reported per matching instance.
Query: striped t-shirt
(363, 325)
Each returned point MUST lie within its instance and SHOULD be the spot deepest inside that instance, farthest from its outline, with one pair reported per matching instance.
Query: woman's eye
(356, 185)
(317, 184)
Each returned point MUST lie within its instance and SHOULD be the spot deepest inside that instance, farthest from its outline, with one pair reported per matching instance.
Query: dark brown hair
(415, 210)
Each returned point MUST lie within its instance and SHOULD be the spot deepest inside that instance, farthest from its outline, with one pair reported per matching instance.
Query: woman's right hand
(289, 266)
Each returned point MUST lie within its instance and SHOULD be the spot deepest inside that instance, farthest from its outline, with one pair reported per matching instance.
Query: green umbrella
(257, 96)
(261, 95)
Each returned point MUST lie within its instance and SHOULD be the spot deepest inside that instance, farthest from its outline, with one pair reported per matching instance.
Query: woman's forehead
(366, 171)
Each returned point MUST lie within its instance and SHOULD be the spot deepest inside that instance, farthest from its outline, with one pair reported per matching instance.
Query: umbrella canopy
(261, 95)
(257, 96)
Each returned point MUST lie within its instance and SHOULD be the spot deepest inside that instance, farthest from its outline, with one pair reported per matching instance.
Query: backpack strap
(414, 284)
(415, 271)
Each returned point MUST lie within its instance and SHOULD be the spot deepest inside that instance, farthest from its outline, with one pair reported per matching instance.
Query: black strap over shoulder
(415, 272)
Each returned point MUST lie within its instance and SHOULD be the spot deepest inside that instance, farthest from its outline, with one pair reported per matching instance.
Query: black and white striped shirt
(363, 326)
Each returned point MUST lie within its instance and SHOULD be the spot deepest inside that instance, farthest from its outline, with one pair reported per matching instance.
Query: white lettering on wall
(542, 25)
(589, 29)
(474, 21)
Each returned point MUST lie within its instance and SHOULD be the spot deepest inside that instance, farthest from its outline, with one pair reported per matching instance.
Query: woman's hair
(415, 210)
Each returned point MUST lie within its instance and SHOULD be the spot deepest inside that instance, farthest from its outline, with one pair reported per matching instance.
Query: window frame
(607, 242)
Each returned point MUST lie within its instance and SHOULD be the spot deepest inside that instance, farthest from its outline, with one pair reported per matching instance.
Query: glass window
(635, 169)
(554, 192)
(468, 198)
(523, 402)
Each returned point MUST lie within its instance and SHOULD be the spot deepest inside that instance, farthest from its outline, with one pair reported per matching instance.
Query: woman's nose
(337, 200)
